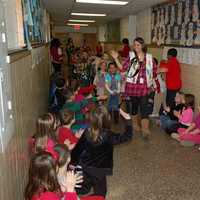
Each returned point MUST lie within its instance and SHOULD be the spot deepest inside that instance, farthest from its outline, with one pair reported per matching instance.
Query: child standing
(99, 80)
(112, 85)
(172, 69)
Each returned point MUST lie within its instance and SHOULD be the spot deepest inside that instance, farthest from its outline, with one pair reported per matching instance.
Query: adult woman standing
(56, 54)
(141, 71)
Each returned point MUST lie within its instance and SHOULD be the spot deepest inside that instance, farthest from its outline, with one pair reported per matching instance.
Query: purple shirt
(197, 121)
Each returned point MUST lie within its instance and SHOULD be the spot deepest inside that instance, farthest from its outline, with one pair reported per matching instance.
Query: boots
(145, 128)
(135, 121)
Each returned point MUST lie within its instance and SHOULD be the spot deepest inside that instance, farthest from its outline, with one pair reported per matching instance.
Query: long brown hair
(189, 100)
(99, 120)
(45, 130)
(142, 42)
(42, 175)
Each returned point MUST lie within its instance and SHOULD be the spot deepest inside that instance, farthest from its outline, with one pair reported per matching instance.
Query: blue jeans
(166, 122)
(113, 103)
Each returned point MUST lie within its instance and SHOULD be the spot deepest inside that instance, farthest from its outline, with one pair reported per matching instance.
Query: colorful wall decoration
(33, 22)
(177, 23)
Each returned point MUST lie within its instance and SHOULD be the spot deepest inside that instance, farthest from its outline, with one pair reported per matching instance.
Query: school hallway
(158, 169)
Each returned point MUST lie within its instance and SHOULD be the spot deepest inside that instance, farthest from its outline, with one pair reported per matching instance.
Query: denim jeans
(166, 122)
(113, 103)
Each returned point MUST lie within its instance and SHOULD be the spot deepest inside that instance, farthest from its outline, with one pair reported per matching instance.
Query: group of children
(179, 120)
(72, 148)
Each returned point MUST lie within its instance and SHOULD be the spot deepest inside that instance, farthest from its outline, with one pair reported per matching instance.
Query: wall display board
(188, 56)
(176, 23)
(33, 21)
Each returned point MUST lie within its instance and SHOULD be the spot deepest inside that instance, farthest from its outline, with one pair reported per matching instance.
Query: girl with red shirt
(125, 51)
(43, 183)
(56, 54)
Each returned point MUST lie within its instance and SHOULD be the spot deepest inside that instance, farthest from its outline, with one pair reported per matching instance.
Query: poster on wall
(177, 23)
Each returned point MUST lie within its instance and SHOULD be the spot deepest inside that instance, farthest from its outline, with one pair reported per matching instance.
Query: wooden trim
(16, 55)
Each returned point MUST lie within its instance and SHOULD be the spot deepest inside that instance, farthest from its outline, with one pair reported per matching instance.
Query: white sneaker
(175, 136)
(154, 115)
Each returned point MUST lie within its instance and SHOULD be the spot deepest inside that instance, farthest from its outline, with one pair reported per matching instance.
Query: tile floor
(160, 169)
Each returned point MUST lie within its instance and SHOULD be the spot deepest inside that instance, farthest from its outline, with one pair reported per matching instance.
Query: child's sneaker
(175, 136)
(187, 143)
(154, 115)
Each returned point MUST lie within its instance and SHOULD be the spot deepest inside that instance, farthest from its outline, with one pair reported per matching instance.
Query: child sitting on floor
(45, 138)
(167, 117)
(185, 117)
(81, 102)
(96, 157)
(43, 183)
(191, 135)
(65, 134)
(63, 167)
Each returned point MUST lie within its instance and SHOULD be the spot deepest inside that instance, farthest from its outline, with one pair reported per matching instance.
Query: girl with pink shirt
(185, 116)
(191, 135)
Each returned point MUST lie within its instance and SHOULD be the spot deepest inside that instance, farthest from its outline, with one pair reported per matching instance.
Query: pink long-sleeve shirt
(186, 117)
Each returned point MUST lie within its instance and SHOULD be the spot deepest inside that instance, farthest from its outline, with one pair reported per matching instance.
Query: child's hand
(70, 181)
(114, 54)
(67, 143)
(103, 97)
(176, 113)
(112, 92)
(167, 108)
(89, 96)
(79, 133)
(79, 180)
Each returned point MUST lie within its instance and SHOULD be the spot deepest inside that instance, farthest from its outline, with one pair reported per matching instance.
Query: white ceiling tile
(60, 9)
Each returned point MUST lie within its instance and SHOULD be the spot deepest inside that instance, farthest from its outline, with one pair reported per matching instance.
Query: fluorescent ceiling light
(72, 24)
(81, 20)
(121, 3)
(89, 14)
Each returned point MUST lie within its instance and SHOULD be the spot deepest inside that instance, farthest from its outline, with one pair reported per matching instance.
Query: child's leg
(157, 104)
(166, 122)
(195, 131)
(116, 108)
(110, 103)
(195, 138)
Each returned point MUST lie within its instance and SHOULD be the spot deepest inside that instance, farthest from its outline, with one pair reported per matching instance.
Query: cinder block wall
(30, 95)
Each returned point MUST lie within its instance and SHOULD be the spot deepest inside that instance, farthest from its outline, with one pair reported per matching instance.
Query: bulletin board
(176, 24)
(33, 21)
